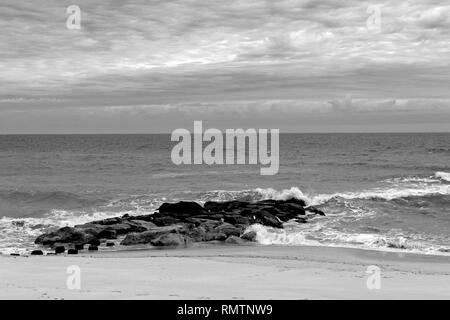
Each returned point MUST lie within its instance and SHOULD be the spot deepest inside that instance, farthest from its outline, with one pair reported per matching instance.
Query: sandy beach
(228, 272)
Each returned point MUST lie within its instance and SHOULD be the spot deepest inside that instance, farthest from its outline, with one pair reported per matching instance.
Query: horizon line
(164, 133)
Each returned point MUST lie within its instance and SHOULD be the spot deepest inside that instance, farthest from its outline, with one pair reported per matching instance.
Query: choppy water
(379, 190)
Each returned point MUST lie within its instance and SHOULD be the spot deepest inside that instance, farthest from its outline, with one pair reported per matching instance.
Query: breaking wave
(443, 175)
(335, 238)
(17, 234)
(423, 188)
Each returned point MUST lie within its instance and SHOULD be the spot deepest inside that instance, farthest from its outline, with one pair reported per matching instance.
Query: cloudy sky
(157, 65)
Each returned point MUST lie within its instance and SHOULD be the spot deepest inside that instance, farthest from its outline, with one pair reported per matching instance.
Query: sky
(157, 65)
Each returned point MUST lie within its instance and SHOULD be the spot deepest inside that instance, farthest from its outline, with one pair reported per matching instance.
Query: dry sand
(228, 272)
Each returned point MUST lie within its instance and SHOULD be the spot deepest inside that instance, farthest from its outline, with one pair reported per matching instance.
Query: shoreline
(228, 272)
(214, 244)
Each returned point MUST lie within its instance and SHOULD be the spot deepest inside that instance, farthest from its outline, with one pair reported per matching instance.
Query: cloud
(287, 115)
(140, 53)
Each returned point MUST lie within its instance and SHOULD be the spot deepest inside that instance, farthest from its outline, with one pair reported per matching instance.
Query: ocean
(379, 191)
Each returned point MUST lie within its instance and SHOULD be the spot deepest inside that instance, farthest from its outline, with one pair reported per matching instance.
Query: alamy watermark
(74, 279)
(73, 21)
(373, 22)
(374, 279)
(241, 147)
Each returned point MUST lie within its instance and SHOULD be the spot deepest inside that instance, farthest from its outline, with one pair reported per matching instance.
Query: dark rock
(290, 210)
(147, 217)
(37, 253)
(249, 236)
(296, 201)
(15, 254)
(92, 229)
(228, 229)
(64, 235)
(215, 221)
(197, 234)
(94, 242)
(110, 244)
(110, 221)
(207, 224)
(60, 249)
(234, 240)
(162, 221)
(237, 219)
(122, 228)
(149, 235)
(315, 210)
(107, 234)
(182, 208)
(268, 219)
(169, 239)
(142, 223)
(93, 248)
(225, 206)
(72, 251)
(215, 236)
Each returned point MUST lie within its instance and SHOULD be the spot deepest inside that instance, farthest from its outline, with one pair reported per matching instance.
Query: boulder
(109, 221)
(107, 233)
(235, 219)
(93, 248)
(207, 224)
(94, 242)
(228, 206)
(169, 239)
(234, 240)
(268, 219)
(249, 236)
(72, 251)
(37, 253)
(143, 223)
(215, 236)
(122, 228)
(64, 235)
(288, 211)
(182, 208)
(161, 221)
(90, 228)
(228, 229)
(197, 234)
(110, 244)
(149, 235)
(60, 249)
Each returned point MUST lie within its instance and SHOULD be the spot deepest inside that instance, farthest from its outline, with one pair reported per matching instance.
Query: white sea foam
(286, 194)
(268, 235)
(404, 188)
(17, 234)
(383, 193)
(443, 175)
(20, 232)
(328, 237)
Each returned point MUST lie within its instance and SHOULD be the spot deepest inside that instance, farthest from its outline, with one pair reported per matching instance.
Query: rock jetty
(183, 223)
